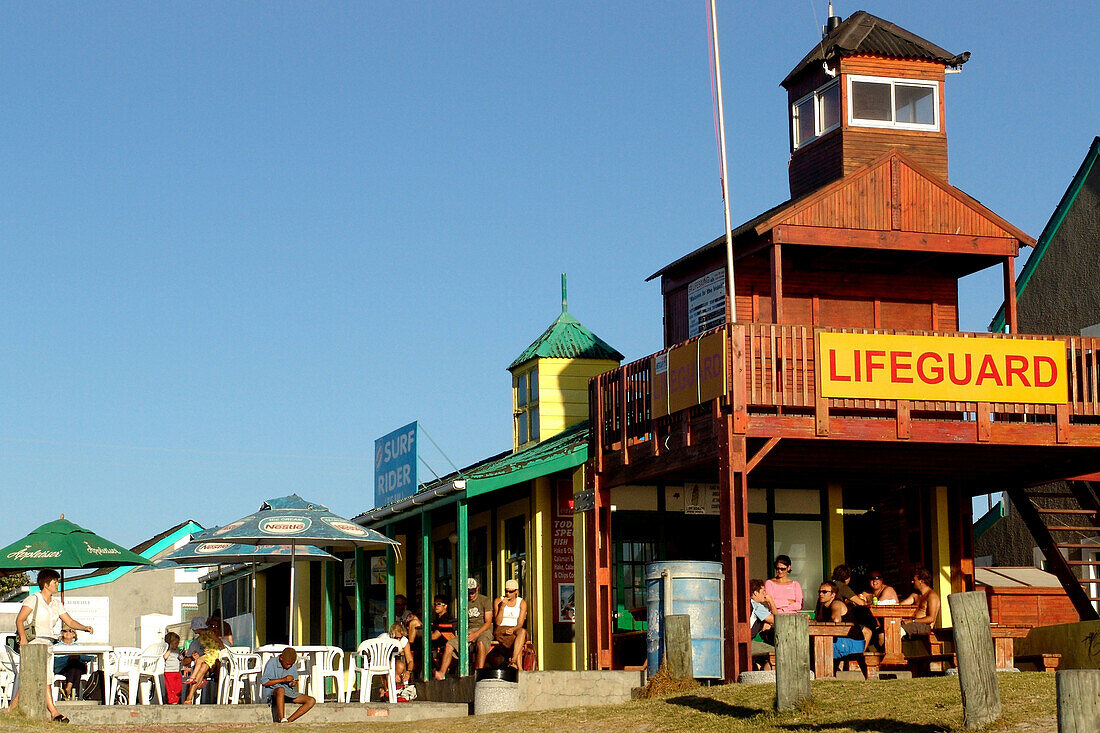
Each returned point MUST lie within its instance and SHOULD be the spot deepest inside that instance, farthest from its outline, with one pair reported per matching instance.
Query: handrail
(778, 364)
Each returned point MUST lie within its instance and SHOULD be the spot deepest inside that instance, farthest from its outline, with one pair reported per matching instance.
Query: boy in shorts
(280, 685)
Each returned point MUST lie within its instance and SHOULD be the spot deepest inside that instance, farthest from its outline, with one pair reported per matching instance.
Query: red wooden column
(733, 486)
(599, 577)
(1010, 293)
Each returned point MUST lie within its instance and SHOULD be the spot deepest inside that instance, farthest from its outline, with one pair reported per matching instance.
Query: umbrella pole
(255, 632)
(290, 631)
(221, 596)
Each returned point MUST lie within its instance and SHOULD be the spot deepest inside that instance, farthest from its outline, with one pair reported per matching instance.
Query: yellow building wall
(259, 613)
(542, 605)
(563, 391)
(835, 528)
(941, 552)
(580, 578)
(303, 603)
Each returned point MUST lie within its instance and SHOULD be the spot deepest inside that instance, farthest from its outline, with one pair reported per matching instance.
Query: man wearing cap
(279, 681)
(509, 617)
(479, 610)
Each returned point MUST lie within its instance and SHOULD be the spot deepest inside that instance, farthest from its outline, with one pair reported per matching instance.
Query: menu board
(706, 303)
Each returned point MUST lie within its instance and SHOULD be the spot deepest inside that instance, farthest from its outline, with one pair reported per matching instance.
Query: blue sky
(242, 241)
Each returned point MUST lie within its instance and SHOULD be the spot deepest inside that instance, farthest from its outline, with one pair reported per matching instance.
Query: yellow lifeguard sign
(942, 368)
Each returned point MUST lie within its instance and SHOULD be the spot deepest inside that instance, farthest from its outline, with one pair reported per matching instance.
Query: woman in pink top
(786, 593)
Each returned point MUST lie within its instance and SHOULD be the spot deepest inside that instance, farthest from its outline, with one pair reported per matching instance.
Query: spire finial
(564, 294)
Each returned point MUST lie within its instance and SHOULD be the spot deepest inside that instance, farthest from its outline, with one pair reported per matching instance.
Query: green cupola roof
(567, 338)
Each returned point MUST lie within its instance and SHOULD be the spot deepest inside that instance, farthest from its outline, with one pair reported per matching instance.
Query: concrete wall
(548, 690)
(1079, 644)
(136, 594)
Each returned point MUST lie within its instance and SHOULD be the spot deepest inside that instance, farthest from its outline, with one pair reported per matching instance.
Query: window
(901, 103)
(526, 409)
(815, 114)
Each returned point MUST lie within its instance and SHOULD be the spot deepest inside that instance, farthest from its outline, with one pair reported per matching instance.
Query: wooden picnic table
(891, 618)
(822, 634)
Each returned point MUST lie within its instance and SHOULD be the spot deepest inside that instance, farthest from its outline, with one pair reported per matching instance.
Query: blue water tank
(696, 593)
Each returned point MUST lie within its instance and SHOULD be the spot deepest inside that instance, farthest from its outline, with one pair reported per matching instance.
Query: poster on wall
(561, 551)
(94, 611)
(349, 572)
(567, 612)
(378, 573)
(701, 499)
(706, 303)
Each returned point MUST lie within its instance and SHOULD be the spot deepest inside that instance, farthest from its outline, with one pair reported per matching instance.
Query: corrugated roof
(567, 449)
(863, 33)
(566, 338)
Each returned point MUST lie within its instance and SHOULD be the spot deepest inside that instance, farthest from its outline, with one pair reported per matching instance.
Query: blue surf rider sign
(395, 465)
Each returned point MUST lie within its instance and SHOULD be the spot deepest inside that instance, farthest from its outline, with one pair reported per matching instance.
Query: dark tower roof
(863, 33)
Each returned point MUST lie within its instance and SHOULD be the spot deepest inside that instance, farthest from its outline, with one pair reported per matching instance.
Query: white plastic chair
(375, 658)
(150, 664)
(9, 670)
(120, 663)
(240, 669)
(330, 663)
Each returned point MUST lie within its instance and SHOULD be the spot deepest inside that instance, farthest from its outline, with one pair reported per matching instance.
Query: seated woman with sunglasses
(785, 592)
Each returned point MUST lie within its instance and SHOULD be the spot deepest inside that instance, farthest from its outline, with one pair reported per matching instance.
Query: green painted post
(391, 557)
(329, 588)
(463, 531)
(359, 588)
(427, 591)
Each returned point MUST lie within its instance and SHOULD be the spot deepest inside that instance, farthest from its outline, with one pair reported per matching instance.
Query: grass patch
(928, 705)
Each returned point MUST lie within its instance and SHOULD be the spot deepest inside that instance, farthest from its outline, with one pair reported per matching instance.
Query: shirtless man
(927, 602)
(831, 608)
(881, 592)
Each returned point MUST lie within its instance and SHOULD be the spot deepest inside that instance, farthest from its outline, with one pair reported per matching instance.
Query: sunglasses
(782, 567)
(823, 591)
(876, 577)
(440, 603)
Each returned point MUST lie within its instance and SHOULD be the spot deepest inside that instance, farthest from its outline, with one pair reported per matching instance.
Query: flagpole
(290, 631)
(722, 156)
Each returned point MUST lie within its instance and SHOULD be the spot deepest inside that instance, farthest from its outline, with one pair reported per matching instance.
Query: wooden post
(792, 660)
(33, 684)
(677, 640)
(1078, 700)
(981, 695)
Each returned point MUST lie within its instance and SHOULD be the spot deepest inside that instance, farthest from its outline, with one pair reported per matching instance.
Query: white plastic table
(99, 651)
(311, 653)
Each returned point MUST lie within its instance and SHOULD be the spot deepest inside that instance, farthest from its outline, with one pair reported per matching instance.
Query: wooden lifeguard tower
(834, 406)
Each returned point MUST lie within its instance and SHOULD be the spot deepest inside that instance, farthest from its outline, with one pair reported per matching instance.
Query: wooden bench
(1042, 662)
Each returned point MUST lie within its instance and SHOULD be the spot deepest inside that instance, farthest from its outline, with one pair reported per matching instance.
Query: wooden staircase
(1064, 519)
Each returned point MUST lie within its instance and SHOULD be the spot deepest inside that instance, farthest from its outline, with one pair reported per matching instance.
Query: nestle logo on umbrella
(27, 554)
(208, 547)
(286, 525)
(101, 550)
(345, 527)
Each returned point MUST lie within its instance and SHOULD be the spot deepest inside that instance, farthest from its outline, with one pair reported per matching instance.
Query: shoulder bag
(28, 625)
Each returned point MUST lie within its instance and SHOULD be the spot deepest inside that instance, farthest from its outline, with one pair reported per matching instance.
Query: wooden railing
(777, 373)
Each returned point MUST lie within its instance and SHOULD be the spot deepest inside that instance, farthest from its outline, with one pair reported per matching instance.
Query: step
(1066, 511)
(1069, 546)
(1083, 562)
(1047, 495)
(1060, 528)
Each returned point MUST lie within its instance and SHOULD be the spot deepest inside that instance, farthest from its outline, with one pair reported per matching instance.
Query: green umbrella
(61, 544)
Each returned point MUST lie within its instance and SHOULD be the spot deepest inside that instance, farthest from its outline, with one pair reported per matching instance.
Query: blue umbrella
(294, 521)
(202, 551)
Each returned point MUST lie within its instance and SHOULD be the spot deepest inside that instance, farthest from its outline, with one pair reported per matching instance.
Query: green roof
(1052, 227)
(567, 449)
(566, 338)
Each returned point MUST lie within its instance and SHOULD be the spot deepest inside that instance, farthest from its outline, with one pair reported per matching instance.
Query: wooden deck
(772, 392)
